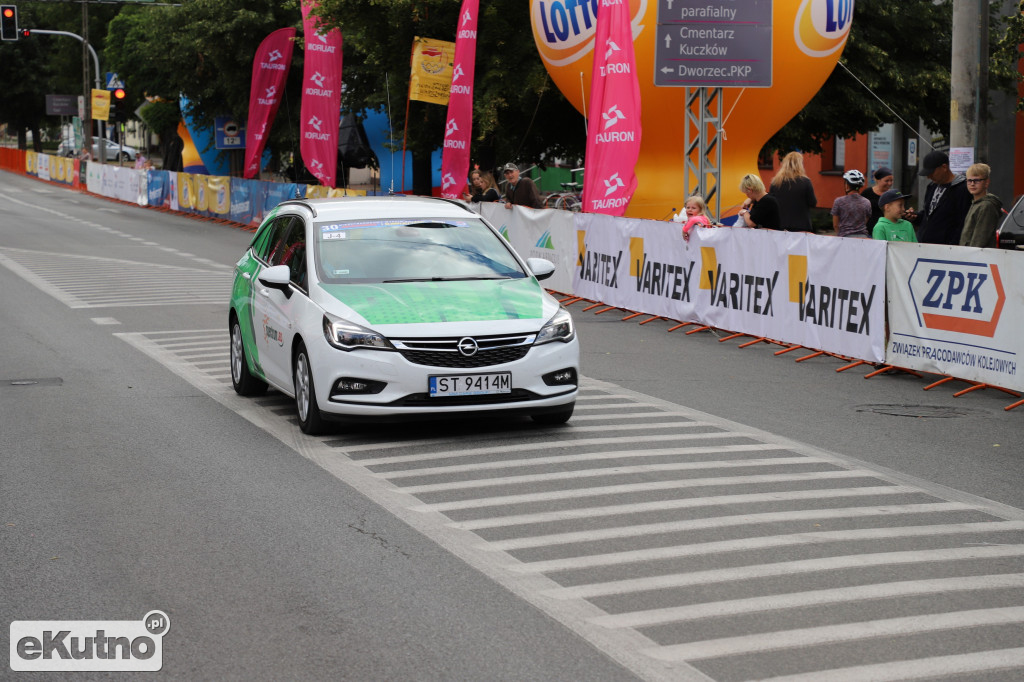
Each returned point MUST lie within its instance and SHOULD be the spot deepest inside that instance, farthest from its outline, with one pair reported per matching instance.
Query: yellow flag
(100, 104)
(431, 76)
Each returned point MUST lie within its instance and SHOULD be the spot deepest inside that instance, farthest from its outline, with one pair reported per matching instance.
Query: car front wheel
(306, 407)
(241, 378)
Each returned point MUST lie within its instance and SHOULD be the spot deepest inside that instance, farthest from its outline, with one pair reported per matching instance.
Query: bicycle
(568, 199)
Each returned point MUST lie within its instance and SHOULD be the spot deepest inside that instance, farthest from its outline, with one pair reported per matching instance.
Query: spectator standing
(520, 191)
(760, 208)
(946, 202)
(483, 187)
(891, 226)
(795, 194)
(985, 213)
(851, 212)
(696, 215)
(883, 183)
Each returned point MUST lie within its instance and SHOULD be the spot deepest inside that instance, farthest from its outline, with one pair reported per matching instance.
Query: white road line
(627, 415)
(598, 456)
(722, 522)
(765, 542)
(612, 406)
(527, 447)
(373, 447)
(796, 600)
(835, 634)
(638, 488)
(687, 503)
(786, 568)
(948, 667)
(620, 470)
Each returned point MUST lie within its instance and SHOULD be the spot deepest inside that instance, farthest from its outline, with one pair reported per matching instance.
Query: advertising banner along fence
(957, 311)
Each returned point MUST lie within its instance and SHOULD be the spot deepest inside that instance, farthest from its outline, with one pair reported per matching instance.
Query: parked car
(389, 307)
(113, 149)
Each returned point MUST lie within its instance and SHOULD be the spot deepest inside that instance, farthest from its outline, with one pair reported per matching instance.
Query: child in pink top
(696, 215)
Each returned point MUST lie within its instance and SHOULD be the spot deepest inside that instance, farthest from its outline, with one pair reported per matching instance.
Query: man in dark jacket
(946, 202)
(520, 191)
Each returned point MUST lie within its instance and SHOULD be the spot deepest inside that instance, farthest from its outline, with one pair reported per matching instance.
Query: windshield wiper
(446, 279)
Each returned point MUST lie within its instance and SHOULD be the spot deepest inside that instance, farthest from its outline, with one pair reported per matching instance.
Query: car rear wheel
(243, 380)
(306, 407)
(125, 157)
(554, 418)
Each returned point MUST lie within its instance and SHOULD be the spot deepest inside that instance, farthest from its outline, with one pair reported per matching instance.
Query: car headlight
(558, 328)
(346, 335)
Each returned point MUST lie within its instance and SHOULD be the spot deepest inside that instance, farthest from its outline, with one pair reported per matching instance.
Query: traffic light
(118, 106)
(25, 32)
(8, 22)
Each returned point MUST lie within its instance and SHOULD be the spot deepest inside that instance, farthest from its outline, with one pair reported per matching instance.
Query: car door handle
(265, 292)
(247, 275)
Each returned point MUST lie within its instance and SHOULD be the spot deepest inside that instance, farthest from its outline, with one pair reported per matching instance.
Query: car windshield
(412, 250)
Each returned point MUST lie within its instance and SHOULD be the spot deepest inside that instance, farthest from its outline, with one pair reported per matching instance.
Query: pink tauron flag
(613, 139)
(459, 126)
(269, 75)
(321, 99)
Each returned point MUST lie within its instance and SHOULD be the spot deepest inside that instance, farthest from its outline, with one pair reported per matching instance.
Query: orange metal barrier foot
(698, 329)
(611, 307)
(760, 339)
(979, 386)
(630, 317)
(656, 317)
(812, 355)
(680, 326)
(596, 305)
(1013, 405)
(731, 336)
(786, 350)
(852, 365)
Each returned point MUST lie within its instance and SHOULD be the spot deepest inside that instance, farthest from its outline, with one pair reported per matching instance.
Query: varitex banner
(459, 126)
(269, 74)
(956, 311)
(819, 292)
(321, 99)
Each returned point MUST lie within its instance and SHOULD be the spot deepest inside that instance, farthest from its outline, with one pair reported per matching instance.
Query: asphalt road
(133, 479)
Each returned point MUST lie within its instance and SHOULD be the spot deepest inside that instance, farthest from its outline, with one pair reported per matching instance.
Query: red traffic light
(118, 93)
(26, 33)
(8, 12)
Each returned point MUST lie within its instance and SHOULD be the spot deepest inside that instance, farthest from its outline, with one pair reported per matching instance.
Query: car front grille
(517, 395)
(444, 352)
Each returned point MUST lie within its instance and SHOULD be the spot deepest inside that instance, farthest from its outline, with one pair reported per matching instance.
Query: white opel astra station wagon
(383, 307)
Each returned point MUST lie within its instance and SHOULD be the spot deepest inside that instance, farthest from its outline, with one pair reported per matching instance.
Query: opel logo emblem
(468, 346)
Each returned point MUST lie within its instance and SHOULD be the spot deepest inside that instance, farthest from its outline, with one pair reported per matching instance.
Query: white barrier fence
(952, 310)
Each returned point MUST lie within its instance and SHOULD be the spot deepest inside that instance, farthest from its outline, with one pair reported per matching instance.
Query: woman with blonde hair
(795, 193)
(484, 187)
(760, 209)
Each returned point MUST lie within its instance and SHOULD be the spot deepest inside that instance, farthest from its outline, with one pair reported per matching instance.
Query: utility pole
(968, 107)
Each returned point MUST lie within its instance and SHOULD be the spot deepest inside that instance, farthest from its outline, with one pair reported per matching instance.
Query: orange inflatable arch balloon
(807, 39)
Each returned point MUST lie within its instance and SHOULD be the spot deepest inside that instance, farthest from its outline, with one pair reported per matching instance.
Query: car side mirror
(277, 277)
(541, 268)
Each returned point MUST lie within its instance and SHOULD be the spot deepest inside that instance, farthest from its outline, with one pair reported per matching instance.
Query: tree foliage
(896, 63)
(518, 113)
